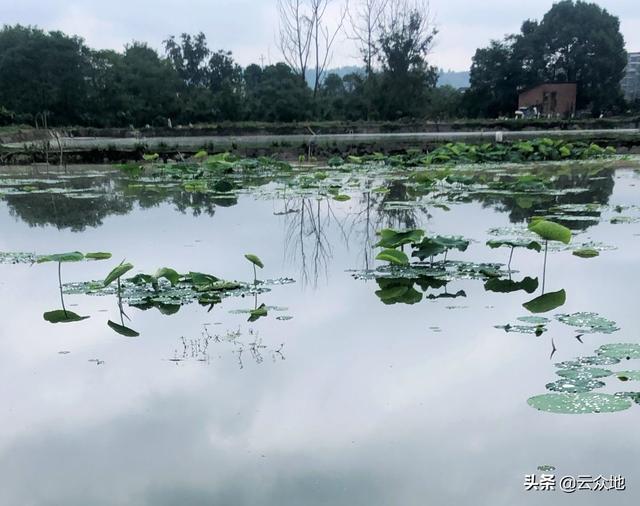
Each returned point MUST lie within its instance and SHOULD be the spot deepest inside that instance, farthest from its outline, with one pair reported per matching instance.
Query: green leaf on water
(579, 403)
(588, 323)
(586, 253)
(201, 279)
(342, 198)
(254, 260)
(167, 273)
(633, 396)
(550, 231)
(574, 386)
(116, 273)
(584, 373)
(62, 316)
(547, 302)
(100, 255)
(392, 239)
(620, 351)
(150, 157)
(74, 256)
(393, 256)
(122, 330)
(534, 320)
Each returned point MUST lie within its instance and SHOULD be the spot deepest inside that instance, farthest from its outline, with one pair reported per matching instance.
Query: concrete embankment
(98, 149)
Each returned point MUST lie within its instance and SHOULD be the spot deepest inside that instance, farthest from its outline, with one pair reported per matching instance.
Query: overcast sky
(248, 27)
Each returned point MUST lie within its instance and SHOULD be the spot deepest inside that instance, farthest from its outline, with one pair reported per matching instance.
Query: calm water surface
(350, 402)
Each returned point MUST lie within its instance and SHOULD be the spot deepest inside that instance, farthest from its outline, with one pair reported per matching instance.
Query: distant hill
(457, 79)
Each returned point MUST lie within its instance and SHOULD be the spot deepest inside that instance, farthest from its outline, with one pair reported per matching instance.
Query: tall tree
(42, 72)
(189, 57)
(575, 41)
(406, 38)
(305, 37)
(582, 42)
(365, 18)
(493, 81)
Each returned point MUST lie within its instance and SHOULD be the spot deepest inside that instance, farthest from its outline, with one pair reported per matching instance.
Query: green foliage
(99, 255)
(574, 42)
(392, 239)
(550, 231)
(393, 256)
(577, 403)
(432, 246)
(254, 260)
(74, 256)
(586, 252)
(259, 312)
(167, 273)
(116, 273)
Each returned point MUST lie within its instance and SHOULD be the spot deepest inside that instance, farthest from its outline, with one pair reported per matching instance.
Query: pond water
(361, 386)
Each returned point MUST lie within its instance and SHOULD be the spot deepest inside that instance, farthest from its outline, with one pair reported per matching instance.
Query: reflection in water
(306, 241)
(366, 389)
(200, 349)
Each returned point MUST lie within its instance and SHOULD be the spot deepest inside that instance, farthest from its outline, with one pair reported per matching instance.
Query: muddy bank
(100, 149)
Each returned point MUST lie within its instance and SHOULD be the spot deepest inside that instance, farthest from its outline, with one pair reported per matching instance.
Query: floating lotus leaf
(550, 231)
(62, 316)
(585, 402)
(632, 396)
(547, 302)
(535, 320)
(393, 256)
(254, 260)
(584, 373)
(620, 350)
(574, 386)
(589, 323)
(342, 198)
(628, 375)
(18, 257)
(122, 330)
(392, 239)
(588, 361)
(586, 253)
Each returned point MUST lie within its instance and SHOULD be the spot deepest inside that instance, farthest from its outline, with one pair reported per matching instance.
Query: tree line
(57, 76)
